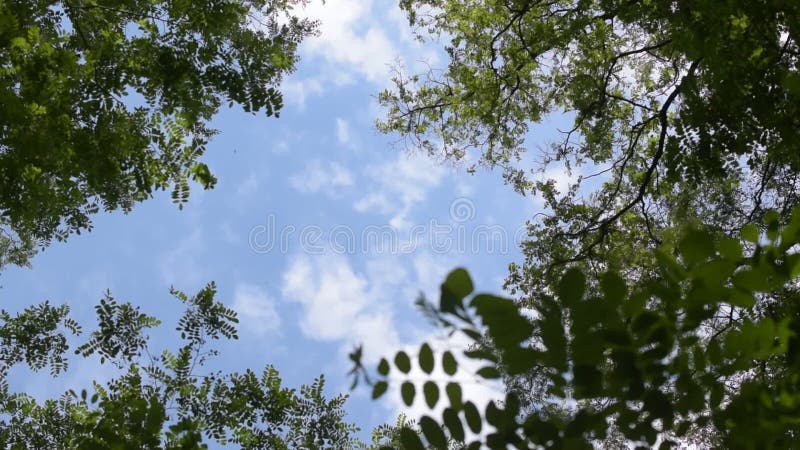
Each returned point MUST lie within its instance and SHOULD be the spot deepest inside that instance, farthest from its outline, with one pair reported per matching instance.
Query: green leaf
(449, 363)
(572, 286)
(402, 362)
(772, 222)
(472, 334)
(614, 288)
(588, 381)
(742, 299)
(202, 174)
(552, 333)
(669, 266)
(506, 326)
(717, 393)
(791, 82)
(494, 415)
(410, 440)
(453, 424)
(383, 367)
(696, 246)
(481, 354)
(431, 391)
(453, 391)
(520, 360)
(379, 389)
(658, 405)
(455, 288)
(473, 417)
(407, 392)
(730, 249)
(751, 281)
(426, 358)
(433, 432)
(750, 233)
(488, 372)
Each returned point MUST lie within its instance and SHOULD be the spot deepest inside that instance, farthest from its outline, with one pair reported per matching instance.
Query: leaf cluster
(106, 102)
(167, 401)
(637, 356)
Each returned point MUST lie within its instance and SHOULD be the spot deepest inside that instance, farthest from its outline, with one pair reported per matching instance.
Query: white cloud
(358, 40)
(318, 176)
(256, 309)
(342, 131)
(464, 189)
(297, 91)
(400, 20)
(373, 200)
(351, 38)
(386, 274)
(430, 271)
(332, 294)
(341, 304)
(402, 184)
(338, 304)
(376, 332)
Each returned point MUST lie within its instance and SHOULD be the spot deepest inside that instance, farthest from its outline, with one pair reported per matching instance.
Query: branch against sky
(679, 112)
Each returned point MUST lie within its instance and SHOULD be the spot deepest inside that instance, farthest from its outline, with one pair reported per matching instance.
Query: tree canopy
(684, 111)
(105, 102)
(657, 302)
(166, 400)
(638, 360)
(684, 139)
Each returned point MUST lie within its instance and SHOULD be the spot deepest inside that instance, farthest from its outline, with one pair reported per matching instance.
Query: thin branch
(605, 224)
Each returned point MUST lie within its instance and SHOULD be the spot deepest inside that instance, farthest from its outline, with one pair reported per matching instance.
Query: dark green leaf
(431, 391)
(488, 372)
(379, 389)
(402, 362)
(507, 327)
(572, 286)
(410, 439)
(449, 363)
(407, 392)
(426, 358)
(473, 417)
(614, 287)
(456, 286)
(750, 233)
(383, 367)
(454, 394)
(730, 249)
(433, 433)
(453, 424)
(696, 246)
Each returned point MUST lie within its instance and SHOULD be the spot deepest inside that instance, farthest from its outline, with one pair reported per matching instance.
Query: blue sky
(325, 180)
